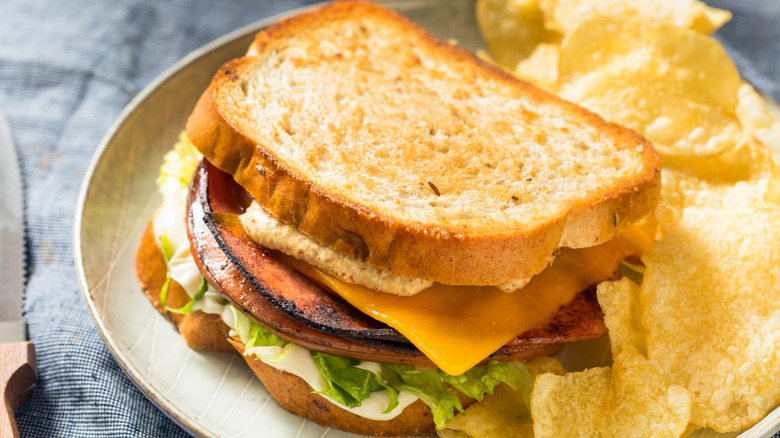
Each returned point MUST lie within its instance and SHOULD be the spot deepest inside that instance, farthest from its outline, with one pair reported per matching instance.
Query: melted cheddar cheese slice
(459, 326)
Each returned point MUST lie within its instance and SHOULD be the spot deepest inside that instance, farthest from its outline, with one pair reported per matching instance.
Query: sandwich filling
(455, 326)
(368, 389)
(459, 326)
(267, 231)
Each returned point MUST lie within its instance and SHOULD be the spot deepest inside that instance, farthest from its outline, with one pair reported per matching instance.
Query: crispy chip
(545, 364)
(565, 15)
(503, 414)
(630, 399)
(541, 66)
(750, 160)
(700, 338)
(673, 85)
(758, 120)
(711, 307)
(512, 29)
(705, 181)
(773, 186)
(622, 315)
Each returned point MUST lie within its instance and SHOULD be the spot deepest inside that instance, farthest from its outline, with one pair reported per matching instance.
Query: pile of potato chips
(697, 344)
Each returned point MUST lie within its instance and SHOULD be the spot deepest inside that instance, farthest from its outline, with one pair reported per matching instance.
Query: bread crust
(484, 253)
(201, 331)
(296, 396)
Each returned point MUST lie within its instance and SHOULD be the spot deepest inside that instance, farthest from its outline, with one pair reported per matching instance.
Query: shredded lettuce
(187, 308)
(180, 162)
(425, 383)
(348, 384)
(481, 380)
(168, 252)
(429, 384)
(260, 337)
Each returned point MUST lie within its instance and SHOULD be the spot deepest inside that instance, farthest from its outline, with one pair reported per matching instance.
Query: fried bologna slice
(201, 331)
(363, 131)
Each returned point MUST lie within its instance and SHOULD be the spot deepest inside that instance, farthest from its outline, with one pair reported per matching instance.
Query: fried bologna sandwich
(385, 226)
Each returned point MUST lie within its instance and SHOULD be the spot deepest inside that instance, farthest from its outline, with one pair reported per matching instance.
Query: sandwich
(386, 227)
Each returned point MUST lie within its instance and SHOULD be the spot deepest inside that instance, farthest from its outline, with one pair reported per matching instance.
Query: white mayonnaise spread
(264, 229)
(267, 231)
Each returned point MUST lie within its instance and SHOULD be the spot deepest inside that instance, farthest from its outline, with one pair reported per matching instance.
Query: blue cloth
(67, 68)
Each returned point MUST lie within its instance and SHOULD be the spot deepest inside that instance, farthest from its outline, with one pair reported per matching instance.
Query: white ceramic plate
(208, 394)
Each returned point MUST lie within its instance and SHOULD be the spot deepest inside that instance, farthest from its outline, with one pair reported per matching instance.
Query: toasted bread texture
(296, 396)
(363, 131)
(201, 331)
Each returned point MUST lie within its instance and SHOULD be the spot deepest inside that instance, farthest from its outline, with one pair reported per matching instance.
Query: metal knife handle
(18, 373)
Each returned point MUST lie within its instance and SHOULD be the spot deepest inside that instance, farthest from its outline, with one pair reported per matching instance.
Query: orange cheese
(459, 326)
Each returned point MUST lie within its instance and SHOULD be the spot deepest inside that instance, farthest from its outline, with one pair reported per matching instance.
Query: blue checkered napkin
(67, 68)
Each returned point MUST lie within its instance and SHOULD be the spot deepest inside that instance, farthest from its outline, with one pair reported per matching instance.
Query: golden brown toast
(363, 131)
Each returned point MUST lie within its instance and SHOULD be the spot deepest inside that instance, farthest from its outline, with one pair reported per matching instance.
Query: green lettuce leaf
(429, 385)
(260, 337)
(187, 308)
(167, 248)
(349, 385)
(481, 380)
(425, 383)
(168, 252)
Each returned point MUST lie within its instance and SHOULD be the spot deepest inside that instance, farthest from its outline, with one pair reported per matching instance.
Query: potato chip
(773, 186)
(565, 15)
(757, 120)
(628, 400)
(622, 315)
(673, 85)
(452, 433)
(541, 66)
(711, 307)
(750, 160)
(705, 181)
(502, 414)
(512, 29)
(545, 364)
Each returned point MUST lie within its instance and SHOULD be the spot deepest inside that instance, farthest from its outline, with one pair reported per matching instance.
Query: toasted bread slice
(363, 131)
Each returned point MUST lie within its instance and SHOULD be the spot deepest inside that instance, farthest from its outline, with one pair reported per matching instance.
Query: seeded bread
(368, 134)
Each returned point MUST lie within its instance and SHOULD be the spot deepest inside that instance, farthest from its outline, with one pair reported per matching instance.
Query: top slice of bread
(360, 129)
